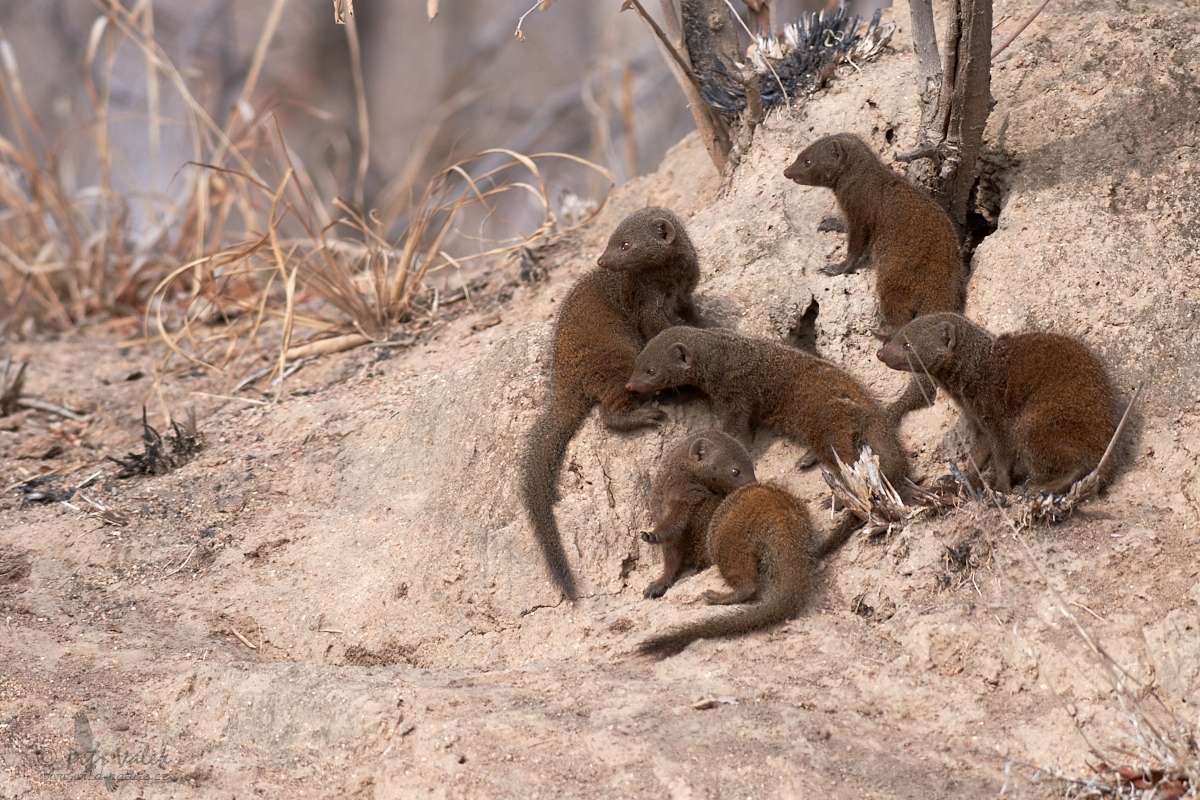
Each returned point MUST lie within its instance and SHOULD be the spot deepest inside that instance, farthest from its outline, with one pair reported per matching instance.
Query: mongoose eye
(736, 472)
(651, 372)
(808, 162)
(908, 345)
(624, 245)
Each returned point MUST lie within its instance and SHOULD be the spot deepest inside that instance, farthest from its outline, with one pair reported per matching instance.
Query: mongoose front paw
(654, 590)
(652, 537)
(807, 461)
(832, 224)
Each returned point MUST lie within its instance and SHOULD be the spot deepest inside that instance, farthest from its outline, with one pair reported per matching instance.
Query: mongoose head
(664, 363)
(644, 239)
(822, 162)
(925, 344)
(720, 462)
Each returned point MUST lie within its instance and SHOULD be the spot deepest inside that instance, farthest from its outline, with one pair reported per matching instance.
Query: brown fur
(1041, 404)
(760, 538)
(691, 482)
(908, 237)
(645, 284)
(754, 381)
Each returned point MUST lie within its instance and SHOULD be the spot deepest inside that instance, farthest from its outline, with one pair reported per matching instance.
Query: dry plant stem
(670, 11)
(713, 131)
(1013, 36)
(260, 51)
(146, 7)
(631, 156)
(521, 36)
(345, 8)
(360, 104)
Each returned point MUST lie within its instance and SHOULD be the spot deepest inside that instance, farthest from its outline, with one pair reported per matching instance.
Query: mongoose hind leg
(739, 594)
(740, 570)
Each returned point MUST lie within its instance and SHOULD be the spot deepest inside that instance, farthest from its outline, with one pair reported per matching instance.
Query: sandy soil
(338, 596)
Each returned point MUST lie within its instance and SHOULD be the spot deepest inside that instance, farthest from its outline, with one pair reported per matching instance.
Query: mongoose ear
(683, 353)
(700, 449)
(839, 152)
(664, 230)
(948, 335)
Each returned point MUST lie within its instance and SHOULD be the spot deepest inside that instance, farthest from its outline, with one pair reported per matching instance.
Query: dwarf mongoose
(909, 238)
(644, 284)
(1041, 404)
(696, 475)
(756, 381)
(760, 540)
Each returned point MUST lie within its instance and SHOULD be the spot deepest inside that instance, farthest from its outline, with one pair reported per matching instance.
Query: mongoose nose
(879, 354)
(629, 387)
(600, 261)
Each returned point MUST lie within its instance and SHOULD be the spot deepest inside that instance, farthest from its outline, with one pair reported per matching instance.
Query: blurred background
(225, 162)
(587, 80)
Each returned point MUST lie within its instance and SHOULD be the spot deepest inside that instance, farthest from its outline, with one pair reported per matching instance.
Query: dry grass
(245, 258)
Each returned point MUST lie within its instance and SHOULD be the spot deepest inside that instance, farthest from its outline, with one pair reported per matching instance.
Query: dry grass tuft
(244, 258)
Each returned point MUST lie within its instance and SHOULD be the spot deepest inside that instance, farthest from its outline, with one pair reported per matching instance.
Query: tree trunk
(955, 100)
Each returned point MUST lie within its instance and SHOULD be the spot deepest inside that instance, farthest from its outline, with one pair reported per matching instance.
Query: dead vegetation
(162, 454)
(244, 260)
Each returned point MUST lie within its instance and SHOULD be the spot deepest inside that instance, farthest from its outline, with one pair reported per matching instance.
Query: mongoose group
(1040, 405)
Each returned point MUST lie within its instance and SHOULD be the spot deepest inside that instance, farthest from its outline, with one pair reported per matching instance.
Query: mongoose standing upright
(760, 539)
(908, 237)
(693, 479)
(751, 381)
(645, 282)
(1041, 404)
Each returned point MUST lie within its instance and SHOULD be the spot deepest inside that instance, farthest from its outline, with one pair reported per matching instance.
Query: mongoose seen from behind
(644, 284)
(760, 539)
(1041, 404)
(889, 222)
(755, 381)
(693, 479)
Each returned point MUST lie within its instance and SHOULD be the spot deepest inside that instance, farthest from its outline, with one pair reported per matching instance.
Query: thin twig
(521, 36)
(183, 563)
(1012, 38)
(40, 405)
(687, 70)
(229, 397)
(245, 641)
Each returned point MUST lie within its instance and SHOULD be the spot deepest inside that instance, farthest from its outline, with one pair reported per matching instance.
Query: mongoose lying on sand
(760, 540)
(693, 479)
(910, 239)
(1041, 404)
(645, 284)
(752, 381)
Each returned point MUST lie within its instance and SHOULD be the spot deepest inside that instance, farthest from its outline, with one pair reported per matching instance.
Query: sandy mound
(340, 595)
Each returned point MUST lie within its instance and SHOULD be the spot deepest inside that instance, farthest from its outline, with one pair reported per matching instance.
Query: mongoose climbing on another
(760, 539)
(754, 381)
(909, 238)
(1041, 404)
(693, 479)
(645, 282)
